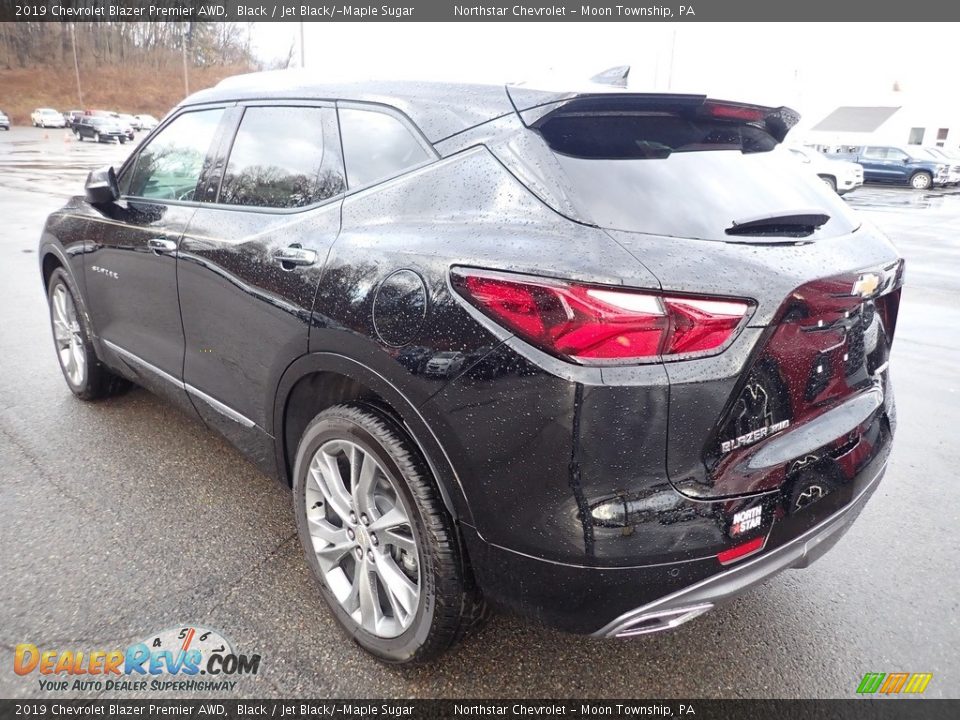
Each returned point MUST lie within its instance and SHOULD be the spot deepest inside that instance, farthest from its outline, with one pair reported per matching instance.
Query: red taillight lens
(592, 323)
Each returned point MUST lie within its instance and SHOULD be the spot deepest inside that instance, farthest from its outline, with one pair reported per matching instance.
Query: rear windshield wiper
(791, 225)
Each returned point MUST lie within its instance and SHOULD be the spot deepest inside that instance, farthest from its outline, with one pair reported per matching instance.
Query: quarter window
(279, 160)
(170, 166)
(377, 146)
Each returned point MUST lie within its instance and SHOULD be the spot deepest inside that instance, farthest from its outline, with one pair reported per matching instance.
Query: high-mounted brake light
(731, 111)
(594, 324)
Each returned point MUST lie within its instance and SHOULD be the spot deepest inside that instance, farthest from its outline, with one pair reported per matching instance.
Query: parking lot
(125, 518)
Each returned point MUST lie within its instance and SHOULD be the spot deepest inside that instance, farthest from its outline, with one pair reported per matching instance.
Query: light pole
(76, 63)
(183, 48)
(303, 62)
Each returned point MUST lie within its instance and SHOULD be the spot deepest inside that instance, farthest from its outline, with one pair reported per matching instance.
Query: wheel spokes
(393, 518)
(371, 613)
(325, 474)
(362, 538)
(396, 583)
(67, 337)
(363, 472)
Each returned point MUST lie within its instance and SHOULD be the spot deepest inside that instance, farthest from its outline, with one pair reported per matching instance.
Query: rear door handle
(161, 245)
(294, 256)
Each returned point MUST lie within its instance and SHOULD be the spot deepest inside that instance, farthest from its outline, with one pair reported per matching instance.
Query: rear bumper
(679, 607)
(608, 601)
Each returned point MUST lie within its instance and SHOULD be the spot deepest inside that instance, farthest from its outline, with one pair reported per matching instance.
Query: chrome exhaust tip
(658, 621)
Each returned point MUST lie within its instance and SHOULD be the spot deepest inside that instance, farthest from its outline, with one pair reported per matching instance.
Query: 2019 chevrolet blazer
(599, 357)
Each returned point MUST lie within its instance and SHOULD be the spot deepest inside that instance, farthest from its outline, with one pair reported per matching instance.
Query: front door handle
(294, 256)
(161, 245)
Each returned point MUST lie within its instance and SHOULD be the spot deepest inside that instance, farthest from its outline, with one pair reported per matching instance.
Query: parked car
(100, 128)
(908, 165)
(127, 128)
(841, 176)
(663, 347)
(952, 158)
(127, 123)
(47, 117)
(72, 117)
(145, 122)
(4, 120)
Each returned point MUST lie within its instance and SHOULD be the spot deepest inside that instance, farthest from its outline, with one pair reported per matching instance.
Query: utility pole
(673, 48)
(303, 61)
(183, 47)
(76, 63)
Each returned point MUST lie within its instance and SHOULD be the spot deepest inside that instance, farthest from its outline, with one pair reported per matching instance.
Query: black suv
(599, 357)
(99, 128)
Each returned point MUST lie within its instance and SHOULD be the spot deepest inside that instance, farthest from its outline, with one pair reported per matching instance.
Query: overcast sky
(812, 67)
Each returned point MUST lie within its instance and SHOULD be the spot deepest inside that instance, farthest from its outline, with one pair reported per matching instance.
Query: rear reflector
(738, 552)
(594, 323)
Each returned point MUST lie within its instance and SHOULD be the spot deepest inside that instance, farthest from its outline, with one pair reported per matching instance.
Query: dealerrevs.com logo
(179, 659)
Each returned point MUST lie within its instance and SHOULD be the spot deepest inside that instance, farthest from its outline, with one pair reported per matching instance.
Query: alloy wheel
(66, 333)
(363, 538)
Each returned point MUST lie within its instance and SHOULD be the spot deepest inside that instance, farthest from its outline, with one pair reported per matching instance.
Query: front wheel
(921, 181)
(87, 377)
(378, 538)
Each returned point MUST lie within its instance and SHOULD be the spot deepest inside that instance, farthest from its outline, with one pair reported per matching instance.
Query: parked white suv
(841, 175)
(47, 117)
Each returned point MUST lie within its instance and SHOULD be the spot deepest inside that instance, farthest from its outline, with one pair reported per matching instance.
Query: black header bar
(854, 11)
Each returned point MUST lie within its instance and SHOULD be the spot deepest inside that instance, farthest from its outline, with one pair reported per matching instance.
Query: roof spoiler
(535, 106)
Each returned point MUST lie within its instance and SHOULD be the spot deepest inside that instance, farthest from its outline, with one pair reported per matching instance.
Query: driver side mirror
(101, 187)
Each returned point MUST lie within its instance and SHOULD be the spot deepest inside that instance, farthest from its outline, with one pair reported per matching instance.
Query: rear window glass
(644, 136)
(691, 178)
(377, 146)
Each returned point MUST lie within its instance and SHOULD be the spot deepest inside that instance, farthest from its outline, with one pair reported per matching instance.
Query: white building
(898, 120)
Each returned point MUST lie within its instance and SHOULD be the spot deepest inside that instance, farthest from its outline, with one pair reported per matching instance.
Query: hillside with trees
(126, 66)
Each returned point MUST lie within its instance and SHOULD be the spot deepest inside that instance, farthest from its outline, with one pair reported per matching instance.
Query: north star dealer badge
(746, 520)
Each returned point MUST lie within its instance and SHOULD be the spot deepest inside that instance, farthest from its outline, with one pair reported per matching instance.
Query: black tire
(98, 381)
(921, 181)
(830, 181)
(448, 604)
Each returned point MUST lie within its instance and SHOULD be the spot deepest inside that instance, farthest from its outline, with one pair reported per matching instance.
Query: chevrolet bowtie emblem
(866, 285)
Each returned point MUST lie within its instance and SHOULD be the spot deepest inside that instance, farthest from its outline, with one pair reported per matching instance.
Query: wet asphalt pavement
(123, 518)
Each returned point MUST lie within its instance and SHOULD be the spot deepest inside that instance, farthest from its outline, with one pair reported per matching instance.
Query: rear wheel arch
(317, 381)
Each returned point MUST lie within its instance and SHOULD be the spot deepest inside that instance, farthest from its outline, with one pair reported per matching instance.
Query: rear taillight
(592, 323)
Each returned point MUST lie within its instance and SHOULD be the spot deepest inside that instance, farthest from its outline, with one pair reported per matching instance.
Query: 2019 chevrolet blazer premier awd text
(604, 358)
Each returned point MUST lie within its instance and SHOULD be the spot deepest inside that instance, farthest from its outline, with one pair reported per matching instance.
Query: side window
(283, 157)
(169, 167)
(376, 146)
(893, 154)
(874, 153)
